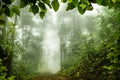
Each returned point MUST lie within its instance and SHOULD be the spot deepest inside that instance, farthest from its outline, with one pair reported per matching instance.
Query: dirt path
(53, 77)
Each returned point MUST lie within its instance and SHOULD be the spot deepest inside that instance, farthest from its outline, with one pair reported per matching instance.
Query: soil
(51, 77)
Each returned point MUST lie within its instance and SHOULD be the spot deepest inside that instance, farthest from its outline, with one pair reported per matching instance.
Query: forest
(59, 39)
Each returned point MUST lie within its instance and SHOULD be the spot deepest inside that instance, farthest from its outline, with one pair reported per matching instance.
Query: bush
(3, 73)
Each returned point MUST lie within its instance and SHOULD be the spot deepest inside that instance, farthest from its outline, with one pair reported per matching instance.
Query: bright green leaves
(114, 1)
(82, 8)
(113, 54)
(34, 9)
(84, 5)
(15, 9)
(37, 5)
(108, 67)
(55, 5)
(69, 1)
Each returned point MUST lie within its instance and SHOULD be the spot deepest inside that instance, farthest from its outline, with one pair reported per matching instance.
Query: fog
(40, 40)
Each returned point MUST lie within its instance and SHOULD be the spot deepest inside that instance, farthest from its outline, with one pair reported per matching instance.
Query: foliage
(39, 6)
(88, 57)
(7, 44)
(3, 72)
(28, 51)
(96, 56)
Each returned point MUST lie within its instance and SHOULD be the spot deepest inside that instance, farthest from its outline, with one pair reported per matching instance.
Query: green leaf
(108, 67)
(110, 55)
(42, 14)
(112, 49)
(90, 7)
(75, 2)
(47, 2)
(35, 9)
(83, 6)
(7, 1)
(69, 1)
(70, 6)
(11, 78)
(81, 10)
(55, 5)
(7, 11)
(114, 1)
(87, 3)
(64, 1)
(109, 44)
(99, 1)
(42, 6)
(23, 3)
(105, 67)
(15, 9)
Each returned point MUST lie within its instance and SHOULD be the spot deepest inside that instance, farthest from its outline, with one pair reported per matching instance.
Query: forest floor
(50, 77)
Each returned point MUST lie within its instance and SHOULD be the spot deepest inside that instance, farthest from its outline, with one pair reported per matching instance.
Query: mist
(41, 39)
(59, 40)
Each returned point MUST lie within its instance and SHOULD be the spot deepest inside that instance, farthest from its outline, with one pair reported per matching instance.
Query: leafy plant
(3, 72)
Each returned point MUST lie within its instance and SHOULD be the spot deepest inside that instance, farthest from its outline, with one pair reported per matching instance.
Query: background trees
(83, 53)
(96, 54)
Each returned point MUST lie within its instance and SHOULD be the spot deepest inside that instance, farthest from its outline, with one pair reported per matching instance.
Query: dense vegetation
(94, 55)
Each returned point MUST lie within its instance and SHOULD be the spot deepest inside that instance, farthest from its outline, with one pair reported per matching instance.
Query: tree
(98, 54)
(31, 52)
(108, 45)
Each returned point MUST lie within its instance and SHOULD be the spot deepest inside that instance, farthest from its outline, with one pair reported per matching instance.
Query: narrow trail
(51, 77)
